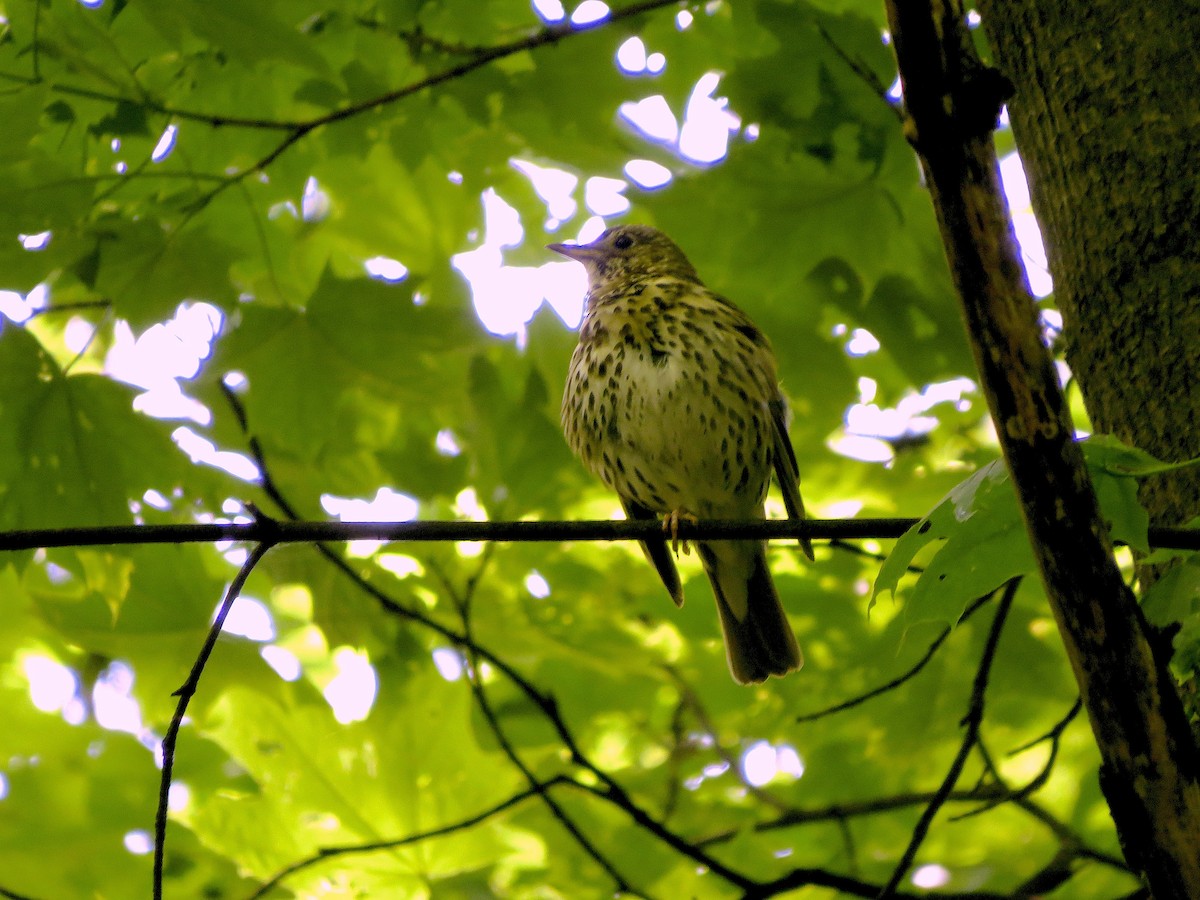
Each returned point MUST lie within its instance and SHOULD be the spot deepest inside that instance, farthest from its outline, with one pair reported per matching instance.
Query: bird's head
(628, 253)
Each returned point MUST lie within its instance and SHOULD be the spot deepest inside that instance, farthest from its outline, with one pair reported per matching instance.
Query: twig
(860, 69)
(185, 694)
(1054, 736)
(544, 532)
(972, 720)
(326, 853)
(899, 679)
(844, 811)
(608, 788)
(462, 600)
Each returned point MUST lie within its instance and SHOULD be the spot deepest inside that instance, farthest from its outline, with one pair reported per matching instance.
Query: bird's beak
(577, 252)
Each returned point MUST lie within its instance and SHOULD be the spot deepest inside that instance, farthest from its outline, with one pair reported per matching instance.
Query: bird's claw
(671, 526)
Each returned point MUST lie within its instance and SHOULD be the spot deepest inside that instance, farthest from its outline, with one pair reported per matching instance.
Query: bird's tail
(758, 639)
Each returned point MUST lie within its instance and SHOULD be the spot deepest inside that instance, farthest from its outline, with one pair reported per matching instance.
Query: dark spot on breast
(747, 330)
(659, 357)
(613, 431)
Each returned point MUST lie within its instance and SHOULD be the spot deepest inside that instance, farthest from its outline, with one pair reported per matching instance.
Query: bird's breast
(667, 415)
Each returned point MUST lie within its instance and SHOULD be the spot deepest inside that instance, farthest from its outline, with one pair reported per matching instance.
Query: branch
(1054, 736)
(1149, 772)
(607, 787)
(620, 883)
(902, 678)
(837, 812)
(326, 853)
(973, 720)
(292, 532)
(185, 694)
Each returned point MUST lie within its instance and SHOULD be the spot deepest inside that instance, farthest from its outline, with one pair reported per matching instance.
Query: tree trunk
(1150, 773)
(1107, 117)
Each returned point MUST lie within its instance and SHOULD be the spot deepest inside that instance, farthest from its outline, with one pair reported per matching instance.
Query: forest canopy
(285, 260)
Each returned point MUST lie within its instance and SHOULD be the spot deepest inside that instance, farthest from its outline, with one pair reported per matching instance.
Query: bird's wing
(786, 469)
(656, 551)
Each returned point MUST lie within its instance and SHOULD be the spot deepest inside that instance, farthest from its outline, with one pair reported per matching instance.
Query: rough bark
(1149, 771)
(1107, 116)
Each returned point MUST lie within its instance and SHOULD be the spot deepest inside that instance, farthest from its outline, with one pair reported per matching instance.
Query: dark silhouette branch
(973, 720)
(899, 679)
(462, 600)
(1054, 736)
(327, 853)
(296, 531)
(480, 57)
(185, 693)
(607, 787)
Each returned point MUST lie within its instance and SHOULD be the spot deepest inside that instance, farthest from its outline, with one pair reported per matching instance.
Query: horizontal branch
(547, 532)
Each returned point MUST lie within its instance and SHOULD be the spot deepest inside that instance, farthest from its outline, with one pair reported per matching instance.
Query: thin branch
(859, 68)
(608, 788)
(72, 307)
(899, 679)
(859, 808)
(185, 694)
(841, 812)
(1054, 736)
(462, 600)
(973, 720)
(326, 853)
(1069, 837)
(543, 532)
(13, 895)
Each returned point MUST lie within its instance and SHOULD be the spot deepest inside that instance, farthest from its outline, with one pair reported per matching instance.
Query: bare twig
(859, 68)
(1054, 736)
(972, 720)
(327, 853)
(462, 600)
(899, 679)
(544, 532)
(185, 694)
(608, 788)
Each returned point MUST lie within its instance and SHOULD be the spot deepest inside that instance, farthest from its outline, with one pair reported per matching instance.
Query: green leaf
(74, 452)
(985, 546)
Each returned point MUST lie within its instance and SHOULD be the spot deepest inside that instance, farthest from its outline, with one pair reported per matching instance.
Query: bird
(673, 400)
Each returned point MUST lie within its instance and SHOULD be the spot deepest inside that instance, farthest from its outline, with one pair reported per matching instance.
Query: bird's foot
(671, 526)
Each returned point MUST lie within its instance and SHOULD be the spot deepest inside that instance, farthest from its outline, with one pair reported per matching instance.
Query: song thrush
(673, 400)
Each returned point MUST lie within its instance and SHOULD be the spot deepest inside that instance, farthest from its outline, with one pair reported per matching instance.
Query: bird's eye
(623, 242)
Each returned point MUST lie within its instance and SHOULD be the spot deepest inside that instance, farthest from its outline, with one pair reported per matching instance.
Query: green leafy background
(817, 227)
